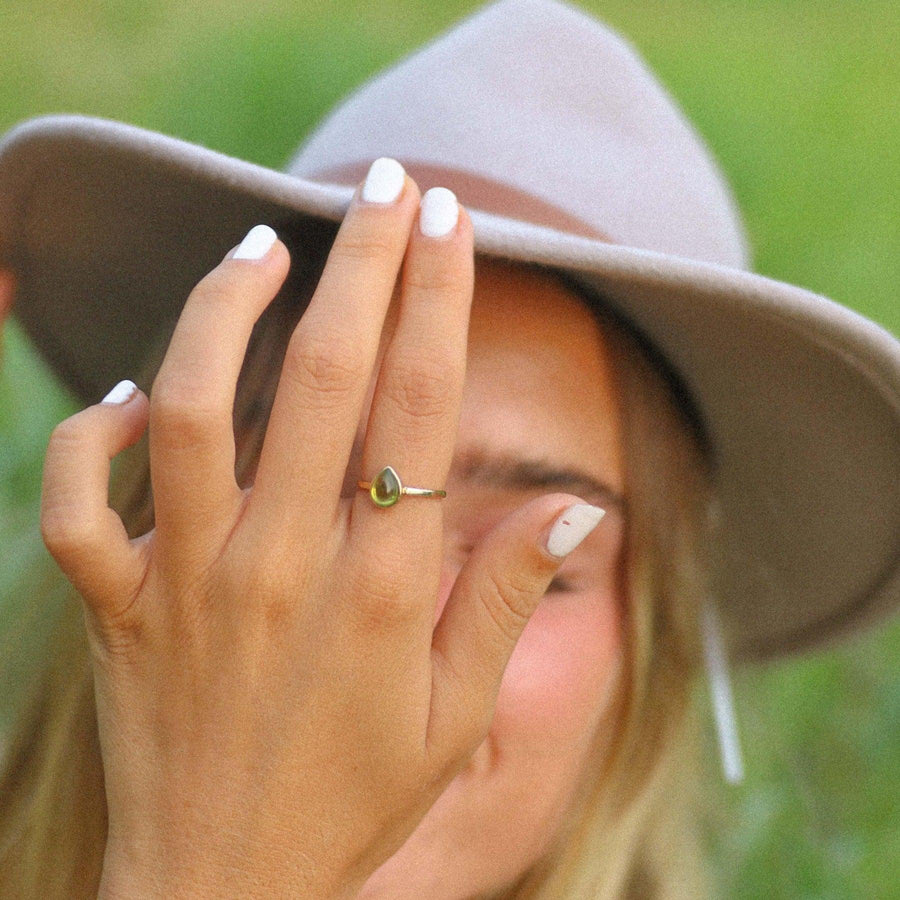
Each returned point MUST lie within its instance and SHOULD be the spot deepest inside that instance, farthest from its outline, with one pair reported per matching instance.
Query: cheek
(556, 684)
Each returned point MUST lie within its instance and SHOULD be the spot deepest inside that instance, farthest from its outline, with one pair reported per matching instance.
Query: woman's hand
(277, 710)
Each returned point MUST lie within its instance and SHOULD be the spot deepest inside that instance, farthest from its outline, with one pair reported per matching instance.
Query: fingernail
(384, 181)
(572, 527)
(123, 391)
(438, 212)
(256, 244)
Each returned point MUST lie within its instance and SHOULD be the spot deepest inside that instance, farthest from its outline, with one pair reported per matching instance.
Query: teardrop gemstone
(385, 488)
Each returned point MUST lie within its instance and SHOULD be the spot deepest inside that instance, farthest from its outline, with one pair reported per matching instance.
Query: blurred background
(799, 101)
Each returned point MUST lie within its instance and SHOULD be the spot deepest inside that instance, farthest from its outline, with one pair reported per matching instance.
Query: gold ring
(386, 489)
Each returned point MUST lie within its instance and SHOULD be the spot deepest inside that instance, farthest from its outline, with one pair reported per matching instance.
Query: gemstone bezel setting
(386, 487)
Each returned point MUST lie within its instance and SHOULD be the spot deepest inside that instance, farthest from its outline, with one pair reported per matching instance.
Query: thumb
(492, 599)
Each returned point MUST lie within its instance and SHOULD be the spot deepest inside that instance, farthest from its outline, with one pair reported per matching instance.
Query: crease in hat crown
(541, 96)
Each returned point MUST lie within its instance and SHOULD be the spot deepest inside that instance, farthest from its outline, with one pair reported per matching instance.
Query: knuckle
(276, 606)
(62, 532)
(218, 286)
(436, 278)
(117, 629)
(423, 389)
(67, 436)
(179, 412)
(274, 593)
(324, 364)
(508, 600)
(379, 596)
(366, 242)
(115, 638)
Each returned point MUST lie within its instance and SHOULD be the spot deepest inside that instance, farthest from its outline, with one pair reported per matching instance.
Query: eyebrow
(514, 472)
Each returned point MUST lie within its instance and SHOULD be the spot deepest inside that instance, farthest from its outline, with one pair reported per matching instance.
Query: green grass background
(799, 102)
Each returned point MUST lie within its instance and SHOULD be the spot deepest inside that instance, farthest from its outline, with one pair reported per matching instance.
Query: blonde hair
(632, 830)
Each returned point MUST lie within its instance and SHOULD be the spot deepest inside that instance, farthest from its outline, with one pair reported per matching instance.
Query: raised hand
(277, 709)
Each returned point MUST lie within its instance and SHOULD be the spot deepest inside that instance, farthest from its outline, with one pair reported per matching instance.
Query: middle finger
(329, 360)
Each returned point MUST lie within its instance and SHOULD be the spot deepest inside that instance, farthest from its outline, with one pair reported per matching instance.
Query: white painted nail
(572, 527)
(123, 391)
(256, 244)
(438, 212)
(384, 181)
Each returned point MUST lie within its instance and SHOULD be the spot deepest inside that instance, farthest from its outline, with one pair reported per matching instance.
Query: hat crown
(543, 98)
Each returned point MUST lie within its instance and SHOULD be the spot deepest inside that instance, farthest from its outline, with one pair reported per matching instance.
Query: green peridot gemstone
(385, 488)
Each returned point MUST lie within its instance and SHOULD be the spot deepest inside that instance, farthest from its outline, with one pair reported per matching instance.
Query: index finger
(192, 448)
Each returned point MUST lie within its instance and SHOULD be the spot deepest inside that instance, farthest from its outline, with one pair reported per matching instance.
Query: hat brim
(109, 226)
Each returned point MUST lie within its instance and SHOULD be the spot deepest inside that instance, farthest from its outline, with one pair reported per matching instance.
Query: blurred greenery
(799, 102)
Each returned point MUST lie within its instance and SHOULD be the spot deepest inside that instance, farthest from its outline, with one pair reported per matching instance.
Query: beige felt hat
(566, 151)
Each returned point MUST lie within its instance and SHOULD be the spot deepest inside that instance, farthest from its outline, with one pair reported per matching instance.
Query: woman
(562, 704)
(287, 684)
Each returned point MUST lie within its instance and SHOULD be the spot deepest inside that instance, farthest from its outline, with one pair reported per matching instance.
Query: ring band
(386, 488)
